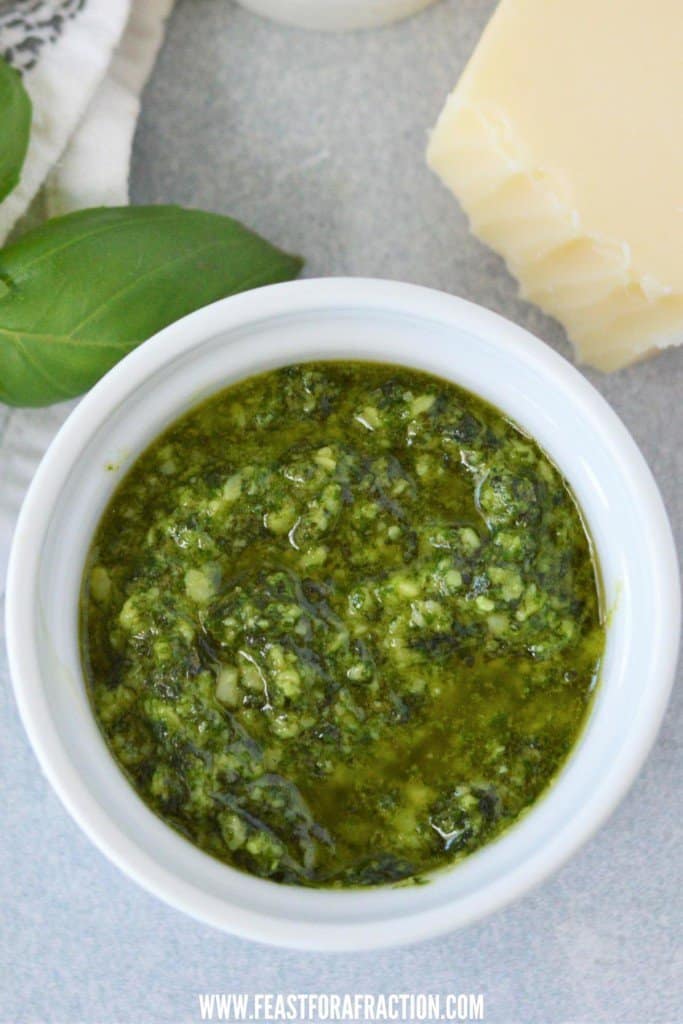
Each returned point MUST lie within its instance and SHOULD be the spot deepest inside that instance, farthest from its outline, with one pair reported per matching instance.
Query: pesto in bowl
(341, 624)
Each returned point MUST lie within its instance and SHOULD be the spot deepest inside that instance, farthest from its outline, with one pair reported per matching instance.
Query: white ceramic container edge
(336, 15)
(382, 321)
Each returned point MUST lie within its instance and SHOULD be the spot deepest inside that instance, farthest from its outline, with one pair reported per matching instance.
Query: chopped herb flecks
(341, 624)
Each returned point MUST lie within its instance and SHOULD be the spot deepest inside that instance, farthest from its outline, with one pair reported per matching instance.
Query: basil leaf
(15, 127)
(81, 291)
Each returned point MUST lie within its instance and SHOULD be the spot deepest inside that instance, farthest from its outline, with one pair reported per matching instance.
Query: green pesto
(341, 624)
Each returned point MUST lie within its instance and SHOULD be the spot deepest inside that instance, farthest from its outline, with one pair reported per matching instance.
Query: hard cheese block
(563, 141)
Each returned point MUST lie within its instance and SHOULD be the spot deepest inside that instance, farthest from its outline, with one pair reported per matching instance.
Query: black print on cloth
(26, 26)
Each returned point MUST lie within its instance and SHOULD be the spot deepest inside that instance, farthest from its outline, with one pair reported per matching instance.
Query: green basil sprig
(81, 291)
(15, 127)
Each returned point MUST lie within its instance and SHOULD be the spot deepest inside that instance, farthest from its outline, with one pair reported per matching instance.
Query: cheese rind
(563, 141)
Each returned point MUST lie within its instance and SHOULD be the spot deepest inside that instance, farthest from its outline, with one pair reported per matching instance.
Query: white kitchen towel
(93, 170)
(84, 64)
(62, 49)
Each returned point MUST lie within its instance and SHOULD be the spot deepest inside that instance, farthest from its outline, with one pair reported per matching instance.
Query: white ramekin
(345, 319)
(336, 15)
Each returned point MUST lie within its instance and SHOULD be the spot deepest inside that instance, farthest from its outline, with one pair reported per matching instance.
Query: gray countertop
(317, 142)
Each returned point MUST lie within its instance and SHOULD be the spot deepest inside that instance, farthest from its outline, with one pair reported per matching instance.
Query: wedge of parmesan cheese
(563, 142)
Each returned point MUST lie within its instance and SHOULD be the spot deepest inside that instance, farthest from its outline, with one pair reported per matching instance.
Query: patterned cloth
(84, 64)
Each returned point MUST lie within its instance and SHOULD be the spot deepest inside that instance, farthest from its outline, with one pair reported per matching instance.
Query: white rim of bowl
(311, 296)
(336, 15)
